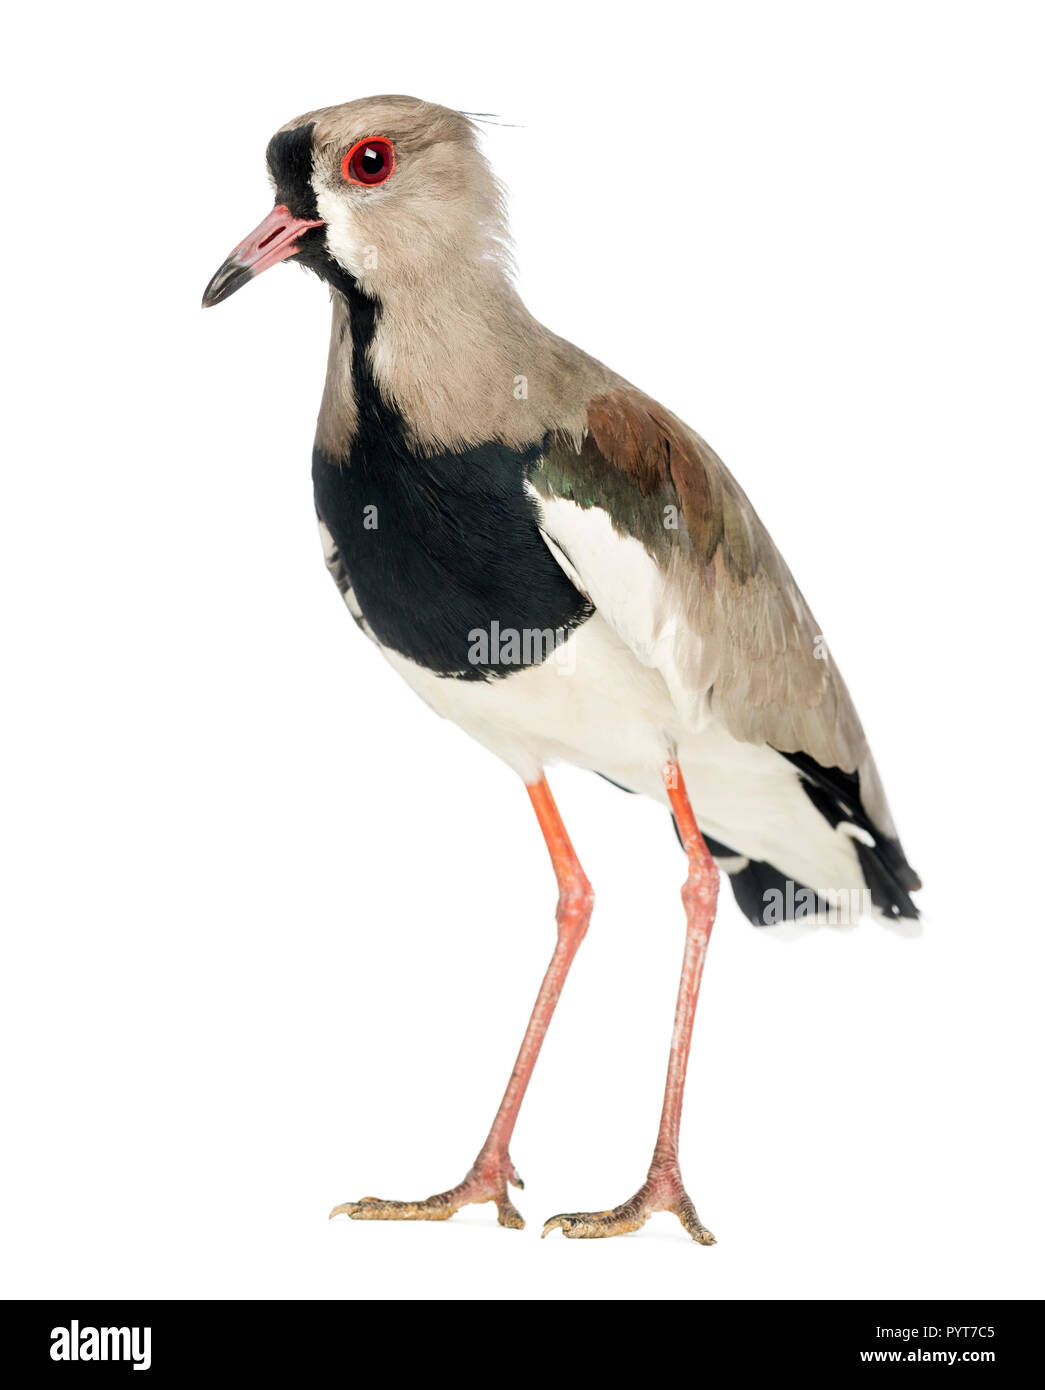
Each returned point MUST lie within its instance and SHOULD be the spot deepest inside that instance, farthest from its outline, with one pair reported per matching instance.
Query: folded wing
(648, 521)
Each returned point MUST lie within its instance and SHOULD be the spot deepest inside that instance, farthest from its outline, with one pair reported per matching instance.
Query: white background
(271, 929)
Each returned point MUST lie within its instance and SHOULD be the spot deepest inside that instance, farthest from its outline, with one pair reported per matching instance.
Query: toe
(687, 1214)
(700, 1233)
(508, 1216)
(377, 1209)
(593, 1225)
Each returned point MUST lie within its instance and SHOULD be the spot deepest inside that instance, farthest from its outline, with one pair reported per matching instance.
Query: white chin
(343, 239)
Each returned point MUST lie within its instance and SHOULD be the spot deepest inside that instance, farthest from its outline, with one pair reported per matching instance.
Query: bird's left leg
(663, 1189)
(488, 1178)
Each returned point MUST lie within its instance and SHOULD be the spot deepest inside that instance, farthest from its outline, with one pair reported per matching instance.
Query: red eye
(369, 162)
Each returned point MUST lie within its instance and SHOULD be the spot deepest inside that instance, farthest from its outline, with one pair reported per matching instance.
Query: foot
(662, 1191)
(487, 1181)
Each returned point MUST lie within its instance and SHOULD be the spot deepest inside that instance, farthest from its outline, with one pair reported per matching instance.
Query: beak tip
(228, 280)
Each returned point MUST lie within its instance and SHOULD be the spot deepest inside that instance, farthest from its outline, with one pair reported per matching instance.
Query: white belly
(591, 703)
(595, 705)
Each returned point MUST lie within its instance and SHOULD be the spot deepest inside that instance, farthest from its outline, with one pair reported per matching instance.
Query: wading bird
(565, 569)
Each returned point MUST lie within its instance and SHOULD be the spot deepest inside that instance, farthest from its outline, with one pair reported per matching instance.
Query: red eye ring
(369, 162)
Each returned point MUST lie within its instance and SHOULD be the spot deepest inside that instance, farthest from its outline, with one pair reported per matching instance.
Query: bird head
(386, 190)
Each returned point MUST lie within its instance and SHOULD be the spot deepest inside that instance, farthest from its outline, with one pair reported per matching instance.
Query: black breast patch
(442, 551)
(444, 556)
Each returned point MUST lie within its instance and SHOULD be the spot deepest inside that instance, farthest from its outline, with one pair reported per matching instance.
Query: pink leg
(488, 1178)
(663, 1189)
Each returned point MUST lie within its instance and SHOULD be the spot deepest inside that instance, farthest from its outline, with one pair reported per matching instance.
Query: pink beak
(272, 241)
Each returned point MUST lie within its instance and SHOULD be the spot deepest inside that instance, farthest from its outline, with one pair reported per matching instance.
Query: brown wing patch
(626, 433)
(652, 447)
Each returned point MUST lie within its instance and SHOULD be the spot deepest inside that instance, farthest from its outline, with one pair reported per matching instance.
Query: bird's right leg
(488, 1178)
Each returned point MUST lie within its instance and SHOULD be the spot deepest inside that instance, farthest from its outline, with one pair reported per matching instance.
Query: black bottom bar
(228, 1341)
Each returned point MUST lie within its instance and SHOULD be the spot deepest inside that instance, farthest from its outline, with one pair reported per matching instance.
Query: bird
(556, 562)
